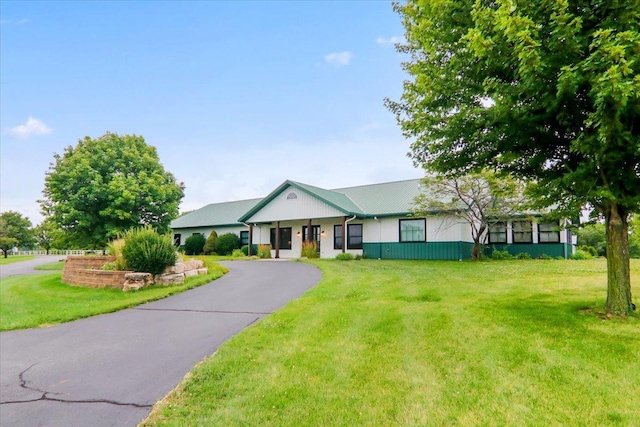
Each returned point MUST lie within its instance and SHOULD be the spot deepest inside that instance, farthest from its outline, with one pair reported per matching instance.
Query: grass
(58, 265)
(43, 300)
(14, 258)
(402, 343)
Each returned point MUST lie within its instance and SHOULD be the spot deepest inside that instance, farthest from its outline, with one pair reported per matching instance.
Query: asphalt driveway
(109, 370)
(27, 267)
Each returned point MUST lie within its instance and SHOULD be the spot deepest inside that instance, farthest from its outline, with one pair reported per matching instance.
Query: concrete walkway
(109, 370)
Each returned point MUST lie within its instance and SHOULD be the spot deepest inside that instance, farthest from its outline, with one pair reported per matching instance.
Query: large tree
(15, 230)
(105, 186)
(548, 90)
(480, 199)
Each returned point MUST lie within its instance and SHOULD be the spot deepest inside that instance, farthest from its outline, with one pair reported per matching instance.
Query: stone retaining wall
(87, 271)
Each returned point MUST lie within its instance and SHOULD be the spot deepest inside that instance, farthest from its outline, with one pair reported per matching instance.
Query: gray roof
(386, 199)
(218, 214)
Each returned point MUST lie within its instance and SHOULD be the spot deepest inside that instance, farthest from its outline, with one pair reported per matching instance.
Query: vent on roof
(292, 196)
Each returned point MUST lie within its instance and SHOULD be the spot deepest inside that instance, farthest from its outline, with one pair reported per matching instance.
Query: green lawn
(58, 265)
(42, 300)
(15, 258)
(409, 343)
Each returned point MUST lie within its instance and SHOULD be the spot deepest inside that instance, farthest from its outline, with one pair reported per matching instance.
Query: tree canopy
(105, 186)
(15, 226)
(546, 90)
(480, 199)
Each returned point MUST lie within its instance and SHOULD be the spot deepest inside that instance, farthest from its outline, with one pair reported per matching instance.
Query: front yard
(410, 343)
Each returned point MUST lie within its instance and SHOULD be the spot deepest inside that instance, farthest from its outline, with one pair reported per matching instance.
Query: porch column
(250, 238)
(308, 237)
(344, 233)
(277, 248)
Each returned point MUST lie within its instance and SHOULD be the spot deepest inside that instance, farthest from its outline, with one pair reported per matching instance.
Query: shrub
(500, 255)
(210, 244)
(580, 255)
(109, 266)
(115, 248)
(545, 256)
(227, 243)
(309, 250)
(264, 251)
(523, 255)
(194, 244)
(589, 249)
(147, 251)
(346, 256)
(245, 250)
(359, 257)
(237, 253)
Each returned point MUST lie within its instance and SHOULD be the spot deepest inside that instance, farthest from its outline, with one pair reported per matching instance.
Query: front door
(315, 235)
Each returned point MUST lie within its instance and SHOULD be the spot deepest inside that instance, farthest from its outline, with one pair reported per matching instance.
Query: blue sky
(236, 96)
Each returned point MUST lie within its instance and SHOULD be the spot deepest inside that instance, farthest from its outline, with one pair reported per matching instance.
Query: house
(370, 220)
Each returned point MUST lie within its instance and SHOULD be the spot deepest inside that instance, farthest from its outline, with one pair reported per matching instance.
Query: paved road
(27, 267)
(109, 370)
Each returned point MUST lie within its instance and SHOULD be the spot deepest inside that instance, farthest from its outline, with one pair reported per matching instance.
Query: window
(498, 232)
(522, 232)
(244, 238)
(337, 237)
(176, 239)
(412, 230)
(354, 236)
(285, 238)
(548, 232)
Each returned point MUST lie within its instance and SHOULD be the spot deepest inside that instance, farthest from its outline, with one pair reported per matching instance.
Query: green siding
(422, 250)
(534, 249)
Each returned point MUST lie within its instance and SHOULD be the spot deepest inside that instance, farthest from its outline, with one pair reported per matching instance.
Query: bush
(309, 250)
(580, 255)
(227, 243)
(264, 251)
(194, 244)
(545, 256)
(346, 256)
(245, 250)
(115, 248)
(210, 244)
(523, 255)
(589, 249)
(147, 251)
(237, 253)
(500, 255)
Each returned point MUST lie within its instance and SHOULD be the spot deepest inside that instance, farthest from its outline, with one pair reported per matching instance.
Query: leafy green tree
(105, 186)
(48, 235)
(210, 244)
(479, 199)
(194, 244)
(634, 237)
(14, 225)
(545, 90)
(6, 244)
(593, 235)
(227, 243)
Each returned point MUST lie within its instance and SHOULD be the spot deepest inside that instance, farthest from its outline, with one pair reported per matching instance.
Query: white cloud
(338, 59)
(32, 127)
(22, 21)
(390, 41)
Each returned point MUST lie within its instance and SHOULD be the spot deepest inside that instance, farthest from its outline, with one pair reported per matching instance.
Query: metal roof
(390, 198)
(218, 214)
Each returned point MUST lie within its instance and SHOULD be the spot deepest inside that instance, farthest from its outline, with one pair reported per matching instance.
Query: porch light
(322, 233)
(298, 234)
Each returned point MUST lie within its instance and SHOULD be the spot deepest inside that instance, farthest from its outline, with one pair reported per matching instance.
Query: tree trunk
(476, 254)
(618, 267)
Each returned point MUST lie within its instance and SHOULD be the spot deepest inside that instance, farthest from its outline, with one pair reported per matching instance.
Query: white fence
(56, 252)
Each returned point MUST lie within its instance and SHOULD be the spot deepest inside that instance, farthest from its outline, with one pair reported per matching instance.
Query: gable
(293, 203)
